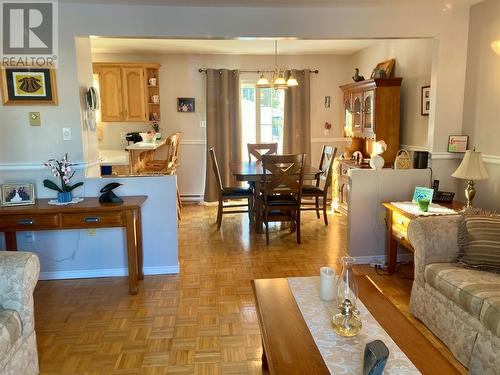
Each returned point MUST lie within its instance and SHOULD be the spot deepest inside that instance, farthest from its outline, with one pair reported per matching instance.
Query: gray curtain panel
(223, 126)
(297, 125)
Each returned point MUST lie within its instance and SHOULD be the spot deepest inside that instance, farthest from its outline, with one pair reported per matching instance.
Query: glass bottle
(347, 322)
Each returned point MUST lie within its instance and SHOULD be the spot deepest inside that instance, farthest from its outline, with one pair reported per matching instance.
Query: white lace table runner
(434, 209)
(343, 355)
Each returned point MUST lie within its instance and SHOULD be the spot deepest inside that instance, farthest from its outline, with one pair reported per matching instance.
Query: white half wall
(78, 254)
(368, 189)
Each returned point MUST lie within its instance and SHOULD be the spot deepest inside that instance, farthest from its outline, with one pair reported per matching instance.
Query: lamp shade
(471, 167)
(263, 82)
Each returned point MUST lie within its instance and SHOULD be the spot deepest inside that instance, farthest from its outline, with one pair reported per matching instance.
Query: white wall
(179, 77)
(76, 254)
(413, 63)
(368, 189)
(482, 95)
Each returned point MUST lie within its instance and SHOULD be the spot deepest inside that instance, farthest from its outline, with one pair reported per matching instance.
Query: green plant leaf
(72, 187)
(50, 185)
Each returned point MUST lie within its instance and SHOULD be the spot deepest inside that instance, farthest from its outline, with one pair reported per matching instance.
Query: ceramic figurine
(356, 77)
(108, 196)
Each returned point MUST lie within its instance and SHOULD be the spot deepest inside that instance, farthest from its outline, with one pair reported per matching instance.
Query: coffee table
(289, 347)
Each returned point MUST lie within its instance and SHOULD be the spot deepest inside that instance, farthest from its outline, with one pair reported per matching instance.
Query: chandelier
(278, 76)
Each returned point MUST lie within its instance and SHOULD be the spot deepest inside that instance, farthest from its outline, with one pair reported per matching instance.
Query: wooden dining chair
(168, 165)
(282, 190)
(258, 149)
(322, 186)
(229, 193)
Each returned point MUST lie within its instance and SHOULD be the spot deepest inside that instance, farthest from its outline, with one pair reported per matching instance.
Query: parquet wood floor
(202, 321)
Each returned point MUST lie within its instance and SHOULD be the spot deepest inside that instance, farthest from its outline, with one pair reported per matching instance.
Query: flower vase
(64, 196)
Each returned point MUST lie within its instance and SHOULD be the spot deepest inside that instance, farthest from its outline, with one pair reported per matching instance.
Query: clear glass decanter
(347, 322)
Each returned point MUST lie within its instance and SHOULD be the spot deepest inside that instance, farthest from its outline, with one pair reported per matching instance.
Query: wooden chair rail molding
(86, 214)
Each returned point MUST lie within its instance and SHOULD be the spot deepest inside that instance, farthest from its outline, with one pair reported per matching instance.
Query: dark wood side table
(396, 221)
(87, 214)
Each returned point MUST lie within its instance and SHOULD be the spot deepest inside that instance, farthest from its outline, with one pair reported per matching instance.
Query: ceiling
(270, 3)
(231, 47)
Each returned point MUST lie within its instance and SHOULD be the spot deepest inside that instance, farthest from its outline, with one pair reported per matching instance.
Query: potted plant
(61, 169)
(156, 128)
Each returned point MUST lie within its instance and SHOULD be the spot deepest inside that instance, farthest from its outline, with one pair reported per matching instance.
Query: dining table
(253, 173)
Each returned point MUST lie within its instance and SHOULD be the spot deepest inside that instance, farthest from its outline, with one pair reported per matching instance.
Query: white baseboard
(105, 272)
(382, 259)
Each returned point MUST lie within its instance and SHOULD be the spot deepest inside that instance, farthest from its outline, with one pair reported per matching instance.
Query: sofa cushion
(10, 329)
(490, 314)
(480, 241)
(468, 288)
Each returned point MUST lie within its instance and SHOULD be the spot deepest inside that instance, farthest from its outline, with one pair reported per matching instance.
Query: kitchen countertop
(114, 157)
(146, 145)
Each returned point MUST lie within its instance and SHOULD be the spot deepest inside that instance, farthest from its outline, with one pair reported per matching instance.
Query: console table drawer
(93, 220)
(29, 222)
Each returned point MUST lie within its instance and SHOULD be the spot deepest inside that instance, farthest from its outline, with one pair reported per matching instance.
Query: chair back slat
(283, 174)
(327, 158)
(215, 167)
(258, 149)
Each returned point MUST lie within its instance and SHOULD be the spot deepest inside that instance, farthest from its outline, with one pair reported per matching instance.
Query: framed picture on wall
(28, 86)
(185, 105)
(425, 101)
(458, 143)
(17, 194)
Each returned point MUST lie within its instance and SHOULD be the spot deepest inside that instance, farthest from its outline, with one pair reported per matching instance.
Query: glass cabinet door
(348, 131)
(357, 112)
(368, 112)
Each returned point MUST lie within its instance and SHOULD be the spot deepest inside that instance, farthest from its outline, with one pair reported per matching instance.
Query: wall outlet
(29, 237)
(203, 124)
(91, 232)
(66, 134)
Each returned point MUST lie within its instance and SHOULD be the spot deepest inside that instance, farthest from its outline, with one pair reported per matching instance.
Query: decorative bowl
(148, 137)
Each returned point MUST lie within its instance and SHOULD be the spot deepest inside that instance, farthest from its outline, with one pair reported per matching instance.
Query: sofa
(460, 305)
(18, 276)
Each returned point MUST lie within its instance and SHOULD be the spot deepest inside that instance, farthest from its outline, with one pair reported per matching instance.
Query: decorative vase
(64, 196)
(347, 322)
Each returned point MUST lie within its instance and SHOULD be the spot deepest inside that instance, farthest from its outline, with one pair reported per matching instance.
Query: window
(262, 113)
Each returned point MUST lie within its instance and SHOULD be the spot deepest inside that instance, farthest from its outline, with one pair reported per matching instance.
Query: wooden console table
(396, 221)
(87, 214)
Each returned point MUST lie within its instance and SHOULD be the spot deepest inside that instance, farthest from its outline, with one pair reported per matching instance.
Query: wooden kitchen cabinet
(133, 93)
(125, 92)
(110, 89)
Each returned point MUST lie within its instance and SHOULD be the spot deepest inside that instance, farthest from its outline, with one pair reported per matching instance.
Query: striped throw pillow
(481, 247)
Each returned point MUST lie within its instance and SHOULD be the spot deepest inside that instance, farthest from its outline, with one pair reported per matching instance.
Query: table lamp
(471, 168)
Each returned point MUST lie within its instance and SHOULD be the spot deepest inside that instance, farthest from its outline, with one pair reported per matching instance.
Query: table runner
(434, 209)
(343, 355)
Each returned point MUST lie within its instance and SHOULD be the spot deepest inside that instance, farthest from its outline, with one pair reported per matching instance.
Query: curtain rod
(315, 71)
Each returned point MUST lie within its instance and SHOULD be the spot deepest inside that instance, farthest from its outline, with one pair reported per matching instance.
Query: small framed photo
(458, 143)
(422, 193)
(185, 105)
(29, 86)
(425, 101)
(17, 194)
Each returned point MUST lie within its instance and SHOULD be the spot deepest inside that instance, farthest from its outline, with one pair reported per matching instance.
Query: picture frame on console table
(29, 86)
(17, 194)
